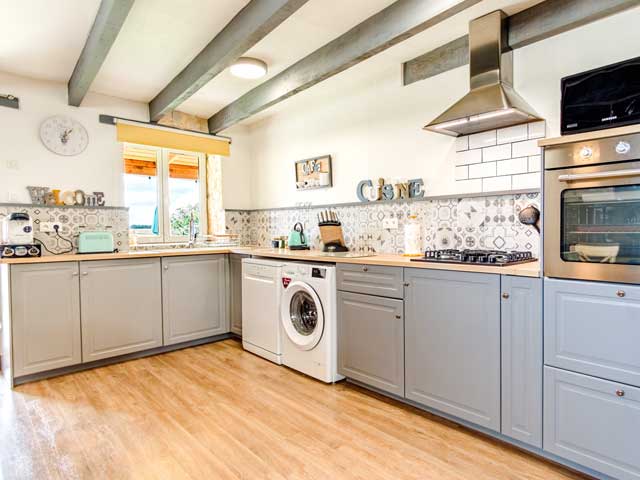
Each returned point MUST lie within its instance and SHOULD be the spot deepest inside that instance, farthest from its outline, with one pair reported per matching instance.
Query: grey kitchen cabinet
(235, 292)
(45, 313)
(452, 343)
(121, 307)
(521, 319)
(371, 341)
(593, 328)
(194, 290)
(593, 422)
(370, 280)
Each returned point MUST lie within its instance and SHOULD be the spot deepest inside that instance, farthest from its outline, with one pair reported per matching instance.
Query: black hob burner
(489, 257)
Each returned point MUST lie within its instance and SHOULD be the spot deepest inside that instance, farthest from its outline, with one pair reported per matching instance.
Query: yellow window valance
(158, 136)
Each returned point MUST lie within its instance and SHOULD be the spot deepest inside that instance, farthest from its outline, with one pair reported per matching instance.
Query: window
(163, 189)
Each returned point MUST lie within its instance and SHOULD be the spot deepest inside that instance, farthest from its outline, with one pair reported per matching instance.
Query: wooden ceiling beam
(539, 22)
(392, 25)
(106, 26)
(248, 27)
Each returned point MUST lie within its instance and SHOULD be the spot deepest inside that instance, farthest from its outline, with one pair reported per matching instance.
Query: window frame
(163, 200)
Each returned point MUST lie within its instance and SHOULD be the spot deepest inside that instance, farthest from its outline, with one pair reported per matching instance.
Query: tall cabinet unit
(121, 304)
(521, 339)
(194, 297)
(452, 343)
(592, 375)
(45, 317)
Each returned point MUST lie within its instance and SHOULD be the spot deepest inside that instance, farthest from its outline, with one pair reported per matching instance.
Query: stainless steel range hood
(492, 102)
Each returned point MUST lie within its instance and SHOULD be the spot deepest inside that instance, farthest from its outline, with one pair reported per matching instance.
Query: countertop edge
(531, 269)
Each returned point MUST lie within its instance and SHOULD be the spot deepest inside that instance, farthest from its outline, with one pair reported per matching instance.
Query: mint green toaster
(95, 242)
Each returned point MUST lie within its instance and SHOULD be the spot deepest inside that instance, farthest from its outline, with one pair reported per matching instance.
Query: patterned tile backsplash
(489, 222)
(504, 159)
(74, 220)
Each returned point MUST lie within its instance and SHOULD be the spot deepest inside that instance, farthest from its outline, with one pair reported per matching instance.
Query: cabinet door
(45, 306)
(592, 422)
(194, 297)
(593, 328)
(121, 304)
(371, 341)
(522, 359)
(235, 292)
(452, 343)
(370, 280)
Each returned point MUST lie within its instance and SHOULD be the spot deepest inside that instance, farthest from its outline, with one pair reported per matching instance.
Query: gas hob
(483, 257)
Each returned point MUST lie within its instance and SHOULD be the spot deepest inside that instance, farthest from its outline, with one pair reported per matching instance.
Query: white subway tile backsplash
(525, 149)
(462, 143)
(482, 139)
(527, 180)
(513, 166)
(482, 170)
(468, 157)
(537, 129)
(495, 184)
(462, 173)
(535, 162)
(499, 160)
(516, 133)
(469, 186)
(499, 152)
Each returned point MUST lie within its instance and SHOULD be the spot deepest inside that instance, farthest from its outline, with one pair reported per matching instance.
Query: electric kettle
(297, 238)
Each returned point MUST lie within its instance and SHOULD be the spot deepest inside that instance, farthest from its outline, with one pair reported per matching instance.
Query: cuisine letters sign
(368, 192)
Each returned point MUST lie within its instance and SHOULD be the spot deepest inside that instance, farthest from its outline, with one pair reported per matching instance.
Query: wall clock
(64, 135)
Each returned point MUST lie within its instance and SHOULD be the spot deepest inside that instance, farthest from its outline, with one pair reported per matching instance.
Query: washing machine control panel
(317, 272)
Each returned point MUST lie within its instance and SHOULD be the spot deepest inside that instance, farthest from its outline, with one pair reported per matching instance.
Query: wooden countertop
(531, 269)
(583, 137)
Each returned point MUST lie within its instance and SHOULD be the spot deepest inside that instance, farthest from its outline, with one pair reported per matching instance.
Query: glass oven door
(592, 223)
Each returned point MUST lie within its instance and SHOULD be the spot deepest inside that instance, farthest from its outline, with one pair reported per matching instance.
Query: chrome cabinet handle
(620, 393)
(406, 284)
(576, 177)
(505, 295)
(84, 274)
(74, 274)
(365, 269)
(398, 317)
(166, 267)
(621, 293)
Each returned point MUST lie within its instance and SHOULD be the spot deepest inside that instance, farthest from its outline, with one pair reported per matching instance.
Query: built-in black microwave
(605, 97)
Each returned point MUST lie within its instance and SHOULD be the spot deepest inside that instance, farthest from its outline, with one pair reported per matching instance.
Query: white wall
(371, 125)
(98, 168)
(236, 171)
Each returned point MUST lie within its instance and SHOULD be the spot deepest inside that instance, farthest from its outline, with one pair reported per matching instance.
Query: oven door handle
(596, 175)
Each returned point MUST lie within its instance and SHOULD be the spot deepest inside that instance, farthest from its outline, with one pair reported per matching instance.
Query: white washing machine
(309, 320)
(261, 291)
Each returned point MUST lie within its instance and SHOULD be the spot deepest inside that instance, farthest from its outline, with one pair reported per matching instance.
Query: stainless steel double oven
(592, 210)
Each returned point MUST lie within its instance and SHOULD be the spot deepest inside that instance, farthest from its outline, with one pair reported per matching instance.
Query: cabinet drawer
(371, 280)
(371, 341)
(587, 421)
(593, 328)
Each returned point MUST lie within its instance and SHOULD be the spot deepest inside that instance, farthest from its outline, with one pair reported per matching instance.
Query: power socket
(390, 223)
(48, 227)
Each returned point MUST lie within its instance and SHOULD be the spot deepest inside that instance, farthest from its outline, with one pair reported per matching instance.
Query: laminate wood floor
(217, 412)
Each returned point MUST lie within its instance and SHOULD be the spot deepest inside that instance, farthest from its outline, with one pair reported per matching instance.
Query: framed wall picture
(314, 173)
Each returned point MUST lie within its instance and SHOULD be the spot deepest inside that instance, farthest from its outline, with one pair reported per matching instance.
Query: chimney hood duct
(492, 102)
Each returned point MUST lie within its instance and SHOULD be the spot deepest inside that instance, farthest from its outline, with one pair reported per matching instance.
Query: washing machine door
(302, 315)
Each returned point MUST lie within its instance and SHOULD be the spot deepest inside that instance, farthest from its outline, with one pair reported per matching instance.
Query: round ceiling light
(247, 67)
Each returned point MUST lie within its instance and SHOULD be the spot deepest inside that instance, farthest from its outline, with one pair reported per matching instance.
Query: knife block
(331, 234)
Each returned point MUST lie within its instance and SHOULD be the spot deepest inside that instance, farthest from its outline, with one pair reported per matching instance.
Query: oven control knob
(586, 152)
(623, 147)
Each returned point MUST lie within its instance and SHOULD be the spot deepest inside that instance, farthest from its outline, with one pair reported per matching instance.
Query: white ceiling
(43, 39)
